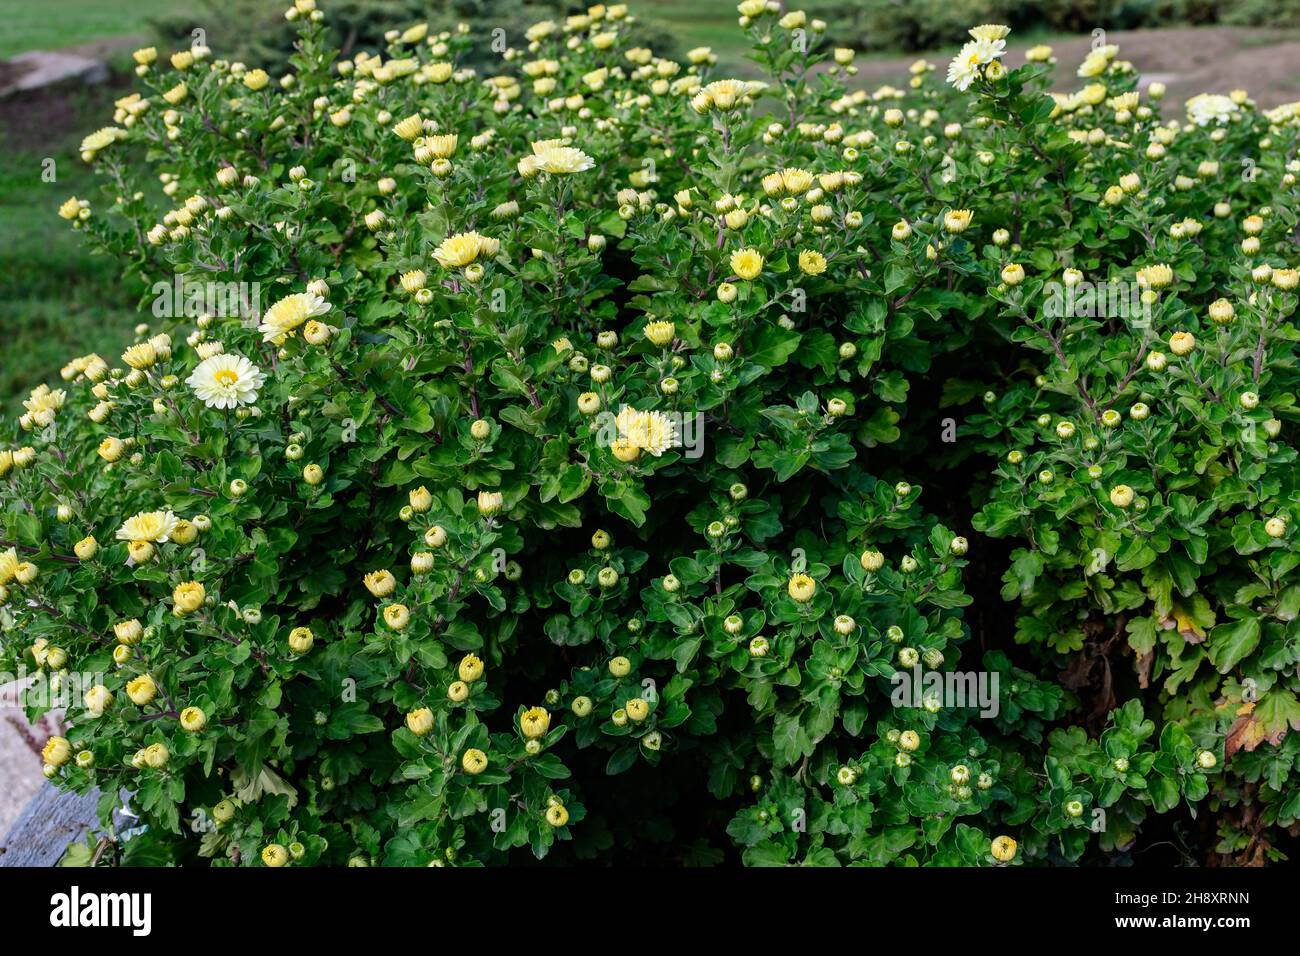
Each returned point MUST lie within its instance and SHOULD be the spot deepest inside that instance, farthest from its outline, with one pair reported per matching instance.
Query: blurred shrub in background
(256, 32)
(928, 24)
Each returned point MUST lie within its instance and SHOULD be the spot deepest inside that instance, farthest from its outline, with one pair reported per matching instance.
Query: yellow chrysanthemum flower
(957, 221)
(43, 404)
(747, 263)
(8, 566)
(443, 147)
(802, 588)
(660, 333)
(189, 596)
(102, 139)
(463, 248)
(281, 319)
(990, 32)
(256, 80)
(812, 263)
(724, 95)
(140, 356)
(796, 181)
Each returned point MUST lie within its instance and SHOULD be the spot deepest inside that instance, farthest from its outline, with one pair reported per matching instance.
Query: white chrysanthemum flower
(290, 312)
(226, 380)
(987, 46)
(1207, 108)
(965, 67)
(154, 526)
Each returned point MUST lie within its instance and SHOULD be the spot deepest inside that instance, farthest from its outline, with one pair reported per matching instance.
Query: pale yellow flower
(443, 147)
(463, 248)
(957, 221)
(102, 139)
(8, 566)
(43, 404)
(811, 262)
(651, 431)
(152, 526)
(660, 333)
(560, 160)
(281, 319)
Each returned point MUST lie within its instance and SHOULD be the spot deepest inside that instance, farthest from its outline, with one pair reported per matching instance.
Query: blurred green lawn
(53, 24)
(693, 23)
(57, 300)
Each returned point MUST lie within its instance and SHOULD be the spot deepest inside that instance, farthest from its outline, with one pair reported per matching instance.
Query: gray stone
(39, 68)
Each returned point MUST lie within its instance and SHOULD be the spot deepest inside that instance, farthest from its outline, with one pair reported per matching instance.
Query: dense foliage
(556, 484)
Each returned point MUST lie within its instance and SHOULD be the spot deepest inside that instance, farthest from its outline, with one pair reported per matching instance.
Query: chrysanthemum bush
(556, 486)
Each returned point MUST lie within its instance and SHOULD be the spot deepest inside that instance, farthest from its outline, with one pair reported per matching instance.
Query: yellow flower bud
(420, 722)
(380, 583)
(57, 751)
(397, 616)
(637, 709)
(474, 761)
(534, 723)
(141, 690)
(470, 669)
(275, 855)
(301, 640)
(1003, 849)
(189, 596)
(802, 588)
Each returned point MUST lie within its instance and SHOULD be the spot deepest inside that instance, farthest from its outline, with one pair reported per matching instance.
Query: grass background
(57, 300)
(55, 24)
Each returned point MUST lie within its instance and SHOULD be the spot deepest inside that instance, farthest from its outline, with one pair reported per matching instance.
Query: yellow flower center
(226, 377)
